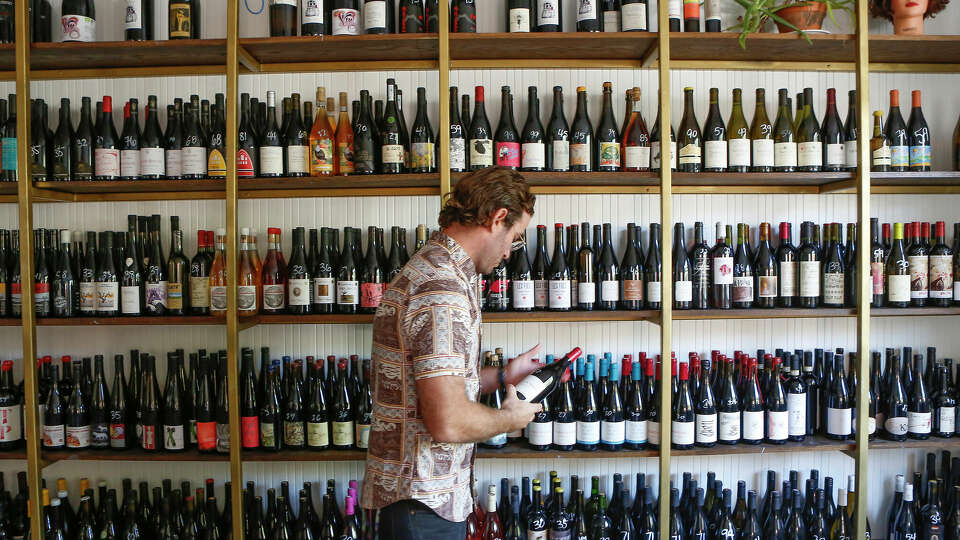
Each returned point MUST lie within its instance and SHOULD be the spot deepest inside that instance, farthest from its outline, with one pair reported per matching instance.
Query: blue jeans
(412, 520)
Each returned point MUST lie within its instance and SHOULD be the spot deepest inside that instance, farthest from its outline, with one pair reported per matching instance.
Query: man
(426, 366)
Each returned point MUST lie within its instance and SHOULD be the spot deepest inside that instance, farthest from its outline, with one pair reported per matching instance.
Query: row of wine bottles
(78, 21)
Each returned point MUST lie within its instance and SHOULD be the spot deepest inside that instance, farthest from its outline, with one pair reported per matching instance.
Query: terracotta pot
(808, 17)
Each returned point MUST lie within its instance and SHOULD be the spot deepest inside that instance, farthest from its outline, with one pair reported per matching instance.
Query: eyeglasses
(519, 243)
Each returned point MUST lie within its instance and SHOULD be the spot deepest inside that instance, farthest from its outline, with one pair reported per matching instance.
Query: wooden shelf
(134, 321)
(592, 50)
(753, 183)
(919, 183)
(119, 59)
(135, 454)
(488, 317)
(511, 451)
(10, 322)
(340, 186)
(8, 192)
(340, 53)
(930, 53)
(810, 444)
(759, 313)
(722, 50)
(932, 443)
(128, 190)
(19, 453)
(914, 312)
(333, 318)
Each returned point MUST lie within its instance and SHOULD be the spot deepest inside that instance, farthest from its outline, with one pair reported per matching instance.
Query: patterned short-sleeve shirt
(427, 325)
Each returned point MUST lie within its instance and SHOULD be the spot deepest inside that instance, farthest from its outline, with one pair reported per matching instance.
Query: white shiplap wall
(620, 338)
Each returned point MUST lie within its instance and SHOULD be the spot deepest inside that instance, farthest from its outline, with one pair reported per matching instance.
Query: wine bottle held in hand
(542, 382)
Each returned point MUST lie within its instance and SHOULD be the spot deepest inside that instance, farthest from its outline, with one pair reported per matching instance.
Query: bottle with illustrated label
(607, 146)
(322, 141)
(742, 292)
(184, 16)
(458, 136)
(422, 149)
(809, 259)
(766, 270)
(549, 16)
(880, 152)
(689, 141)
(139, 20)
(714, 137)
(345, 17)
(918, 257)
(636, 139)
(582, 147)
(411, 17)
(519, 16)
(506, 139)
(834, 269)
(918, 137)
(941, 275)
(480, 136)
(315, 16)
(463, 17)
(897, 135)
(784, 136)
(832, 135)
(348, 276)
(589, 18)
(721, 263)
(78, 20)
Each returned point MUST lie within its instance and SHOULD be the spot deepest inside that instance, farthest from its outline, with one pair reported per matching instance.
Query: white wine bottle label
(900, 156)
(653, 432)
(777, 425)
(836, 156)
(767, 286)
(541, 293)
(752, 425)
(312, 11)
(194, 160)
(130, 300)
(530, 388)
(810, 279)
(392, 153)
(633, 17)
(715, 154)
(580, 155)
(481, 153)
(88, 295)
(11, 429)
(173, 437)
(683, 291)
(896, 425)
(587, 10)
(246, 297)
(298, 292)
(271, 160)
(106, 161)
(458, 155)
(609, 291)
(797, 407)
(839, 421)
(78, 28)
(788, 278)
(520, 20)
(362, 436)
(956, 290)
(107, 293)
(881, 157)
(548, 12)
(151, 162)
(586, 293)
(941, 276)
(199, 292)
(742, 289)
(134, 15)
(706, 428)
(274, 297)
(850, 154)
(675, 9)
(560, 151)
(712, 8)
(637, 157)
(559, 294)
(292, 434)
(297, 159)
(345, 22)
(833, 288)
(523, 294)
(653, 291)
(682, 433)
(540, 433)
(375, 15)
(318, 434)
(919, 276)
(636, 432)
(564, 433)
(613, 432)
(532, 154)
(323, 290)
(690, 154)
(348, 292)
(898, 287)
(78, 436)
(785, 154)
(655, 154)
(130, 163)
(54, 436)
(218, 297)
(728, 426)
(588, 432)
(723, 270)
(810, 154)
(917, 422)
(611, 21)
(762, 153)
(173, 160)
(947, 419)
(739, 152)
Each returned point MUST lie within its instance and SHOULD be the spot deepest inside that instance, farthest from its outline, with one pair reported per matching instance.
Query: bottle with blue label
(919, 137)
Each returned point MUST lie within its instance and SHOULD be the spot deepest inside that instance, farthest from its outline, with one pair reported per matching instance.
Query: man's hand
(518, 413)
(521, 366)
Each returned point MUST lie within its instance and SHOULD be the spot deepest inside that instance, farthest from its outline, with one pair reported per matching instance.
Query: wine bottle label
(216, 164)
(540, 433)
(130, 163)
(218, 298)
(956, 290)
(715, 155)
(54, 436)
(134, 19)
(323, 290)
(833, 288)
(298, 292)
(481, 152)
(588, 432)
(155, 296)
(118, 435)
(637, 157)
(899, 156)
(941, 276)
(636, 432)
(609, 291)
(541, 293)
(683, 291)
(729, 426)
(839, 421)
(777, 425)
(268, 436)
(130, 300)
(898, 287)
(682, 433)
(690, 154)
(78, 436)
(574, 292)
(523, 294)
(559, 294)
(533, 155)
(539, 535)
(919, 266)
(247, 297)
(345, 22)
(947, 419)
(318, 434)
(293, 433)
(701, 271)
(810, 154)
(508, 154)
(767, 286)
(421, 155)
(881, 157)
(321, 157)
(743, 288)
(797, 409)
(151, 162)
(918, 422)
(77, 28)
(11, 429)
(206, 436)
(41, 298)
(458, 155)
(896, 425)
(16, 300)
(106, 162)
(371, 294)
(738, 151)
(194, 160)
(271, 160)
(810, 279)
(613, 432)
(298, 159)
(532, 387)
(632, 290)
(706, 428)
(199, 292)
(106, 295)
(148, 437)
(586, 293)
(580, 155)
(609, 154)
(560, 150)
(763, 153)
(564, 433)
(173, 437)
(785, 154)
(519, 20)
(586, 11)
(850, 154)
(348, 292)
(611, 21)
(919, 156)
(363, 436)
(723, 270)
(274, 297)
(223, 438)
(375, 15)
(675, 9)
(180, 20)
(343, 433)
(653, 433)
(752, 425)
(876, 276)
(244, 164)
(312, 12)
(653, 291)
(836, 157)
(633, 17)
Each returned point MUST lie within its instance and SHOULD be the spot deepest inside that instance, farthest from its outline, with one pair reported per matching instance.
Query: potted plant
(789, 15)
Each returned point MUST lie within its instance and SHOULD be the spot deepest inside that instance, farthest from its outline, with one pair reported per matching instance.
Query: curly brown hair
(881, 8)
(479, 194)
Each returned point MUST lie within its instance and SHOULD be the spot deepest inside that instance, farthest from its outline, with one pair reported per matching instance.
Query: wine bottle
(633, 16)
(458, 134)
(851, 135)
(683, 417)
(655, 146)
(832, 134)
(652, 268)
(636, 140)
(588, 16)
(682, 270)
(217, 140)
(918, 137)
(715, 136)
(107, 286)
(838, 404)
(588, 414)
(480, 134)
(582, 147)
(345, 18)
(761, 136)
(918, 259)
(897, 134)
(586, 278)
(62, 284)
(834, 268)
(348, 277)
(283, 18)
(940, 269)
(184, 20)
(365, 134)
(506, 139)
(689, 138)
(784, 137)
(809, 137)
(549, 16)
(463, 17)
(422, 155)
(613, 420)
(721, 262)
(106, 152)
(519, 13)
(743, 272)
(607, 145)
(809, 257)
(78, 21)
(880, 149)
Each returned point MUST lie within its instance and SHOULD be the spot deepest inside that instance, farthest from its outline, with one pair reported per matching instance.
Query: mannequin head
(907, 15)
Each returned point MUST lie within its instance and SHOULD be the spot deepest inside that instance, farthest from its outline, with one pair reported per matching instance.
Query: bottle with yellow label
(217, 146)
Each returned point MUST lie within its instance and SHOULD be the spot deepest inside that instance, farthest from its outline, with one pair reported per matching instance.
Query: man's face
(500, 240)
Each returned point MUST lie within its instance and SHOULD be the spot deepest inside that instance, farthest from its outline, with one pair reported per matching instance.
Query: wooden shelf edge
(133, 455)
(134, 321)
(759, 313)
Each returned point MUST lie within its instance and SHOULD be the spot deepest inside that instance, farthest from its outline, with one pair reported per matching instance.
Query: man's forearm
(473, 423)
